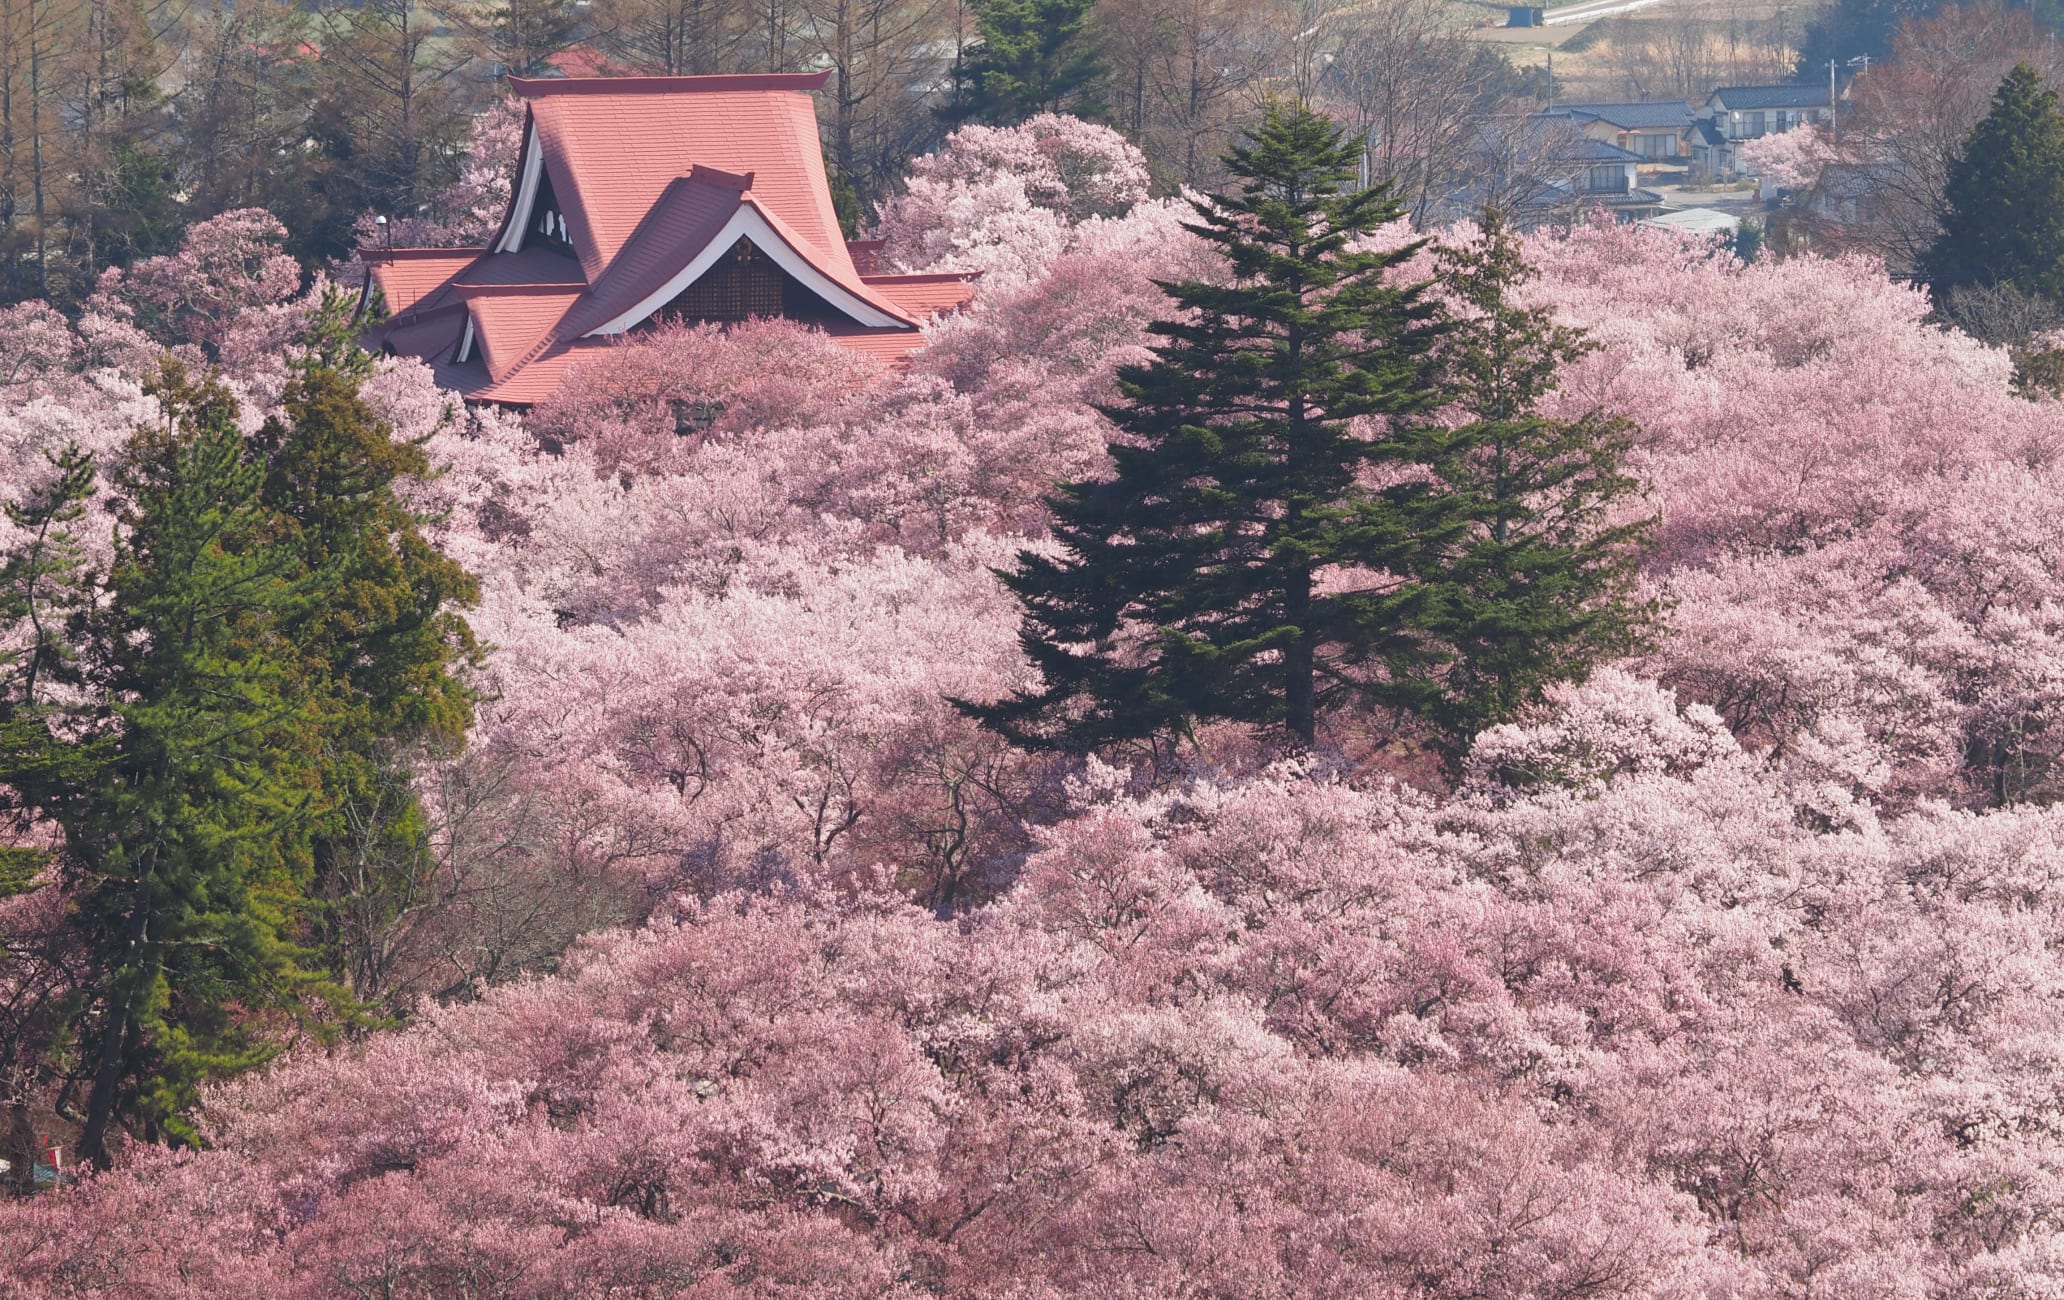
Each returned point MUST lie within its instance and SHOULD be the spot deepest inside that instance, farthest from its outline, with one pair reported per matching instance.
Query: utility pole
(1551, 81)
(1834, 111)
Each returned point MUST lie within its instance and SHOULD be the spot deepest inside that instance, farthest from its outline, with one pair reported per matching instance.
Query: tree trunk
(1300, 694)
(107, 1075)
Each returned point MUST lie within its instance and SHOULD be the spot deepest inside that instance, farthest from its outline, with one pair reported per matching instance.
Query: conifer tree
(227, 768)
(182, 778)
(1034, 56)
(40, 593)
(382, 647)
(2003, 204)
(1538, 583)
(1235, 566)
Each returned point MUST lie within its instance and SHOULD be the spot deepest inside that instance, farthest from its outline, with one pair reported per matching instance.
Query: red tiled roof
(865, 253)
(512, 322)
(612, 145)
(925, 296)
(541, 377)
(534, 265)
(428, 337)
(649, 175)
(408, 275)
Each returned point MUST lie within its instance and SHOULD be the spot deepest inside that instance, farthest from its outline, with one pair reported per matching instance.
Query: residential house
(638, 199)
(1732, 114)
(1659, 131)
(1545, 170)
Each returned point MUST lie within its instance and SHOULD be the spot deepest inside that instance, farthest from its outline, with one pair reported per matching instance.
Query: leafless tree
(1422, 94)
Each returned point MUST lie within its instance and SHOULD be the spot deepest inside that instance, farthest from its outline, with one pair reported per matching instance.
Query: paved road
(1590, 9)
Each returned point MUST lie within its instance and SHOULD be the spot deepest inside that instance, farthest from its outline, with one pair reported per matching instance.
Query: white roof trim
(526, 195)
(749, 224)
(466, 341)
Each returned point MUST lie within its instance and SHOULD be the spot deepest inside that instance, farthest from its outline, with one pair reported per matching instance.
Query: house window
(1606, 180)
(1657, 146)
(1752, 126)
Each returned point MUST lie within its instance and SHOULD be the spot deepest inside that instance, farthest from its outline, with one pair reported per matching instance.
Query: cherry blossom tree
(1004, 199)
(1786, 160)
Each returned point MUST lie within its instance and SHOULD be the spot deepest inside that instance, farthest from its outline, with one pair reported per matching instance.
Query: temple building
(638, 199)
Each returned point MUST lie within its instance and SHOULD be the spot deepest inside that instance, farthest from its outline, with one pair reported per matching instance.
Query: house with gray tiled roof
(1543, 170)
(1657, 130)
(1737, 113)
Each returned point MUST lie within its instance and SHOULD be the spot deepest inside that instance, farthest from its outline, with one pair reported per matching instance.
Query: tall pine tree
(1235, 566)
(1538, 582)
(380, 650)
(182, 777)
(2003, 204)
(227, 765)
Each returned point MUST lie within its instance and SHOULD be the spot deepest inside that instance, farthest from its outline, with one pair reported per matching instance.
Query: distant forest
(122, 122)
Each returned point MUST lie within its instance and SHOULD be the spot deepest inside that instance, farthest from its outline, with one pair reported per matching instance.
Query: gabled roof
(406, 276)
(1588, 150)
(612, 146)
(653, 180)
(1754, 97)
(1632, 117)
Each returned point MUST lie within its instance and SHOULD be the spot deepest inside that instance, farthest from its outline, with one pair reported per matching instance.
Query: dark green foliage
(183, 785)
(1235, 565)
(41, 592)
(1329, 493)
(2003, 217)
(229, 768)
(379, 651)
(1748, 240)
(845, 201)
(1537, 583)
(1035, 56)
(39, 588)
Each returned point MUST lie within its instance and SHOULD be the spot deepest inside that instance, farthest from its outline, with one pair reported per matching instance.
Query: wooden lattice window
(744, 282)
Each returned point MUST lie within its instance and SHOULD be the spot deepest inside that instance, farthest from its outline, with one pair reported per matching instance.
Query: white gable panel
(747, 223)
(526, 194)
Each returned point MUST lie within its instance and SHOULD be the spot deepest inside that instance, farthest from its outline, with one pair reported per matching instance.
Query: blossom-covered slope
(1734, 972)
